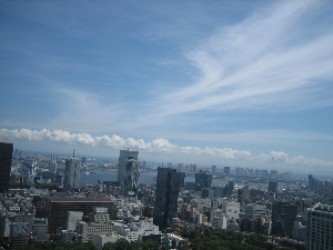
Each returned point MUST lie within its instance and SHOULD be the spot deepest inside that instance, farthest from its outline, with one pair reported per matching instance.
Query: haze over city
(241, 83)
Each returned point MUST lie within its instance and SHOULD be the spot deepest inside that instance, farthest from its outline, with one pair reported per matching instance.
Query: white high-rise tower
(72, 172)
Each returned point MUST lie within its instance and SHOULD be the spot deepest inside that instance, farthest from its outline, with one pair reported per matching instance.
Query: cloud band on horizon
(164, 146)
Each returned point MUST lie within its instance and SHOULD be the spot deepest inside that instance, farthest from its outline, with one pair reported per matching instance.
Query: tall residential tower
(320, 227)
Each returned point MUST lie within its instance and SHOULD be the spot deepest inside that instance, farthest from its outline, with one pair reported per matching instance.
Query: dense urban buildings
(128, 171)
(6, 151)
(320, 227)
(48, 207)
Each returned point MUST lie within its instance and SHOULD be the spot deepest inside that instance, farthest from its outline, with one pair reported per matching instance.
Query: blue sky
(244, 83)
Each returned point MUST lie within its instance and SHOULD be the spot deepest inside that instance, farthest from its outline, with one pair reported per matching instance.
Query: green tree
(120, 244)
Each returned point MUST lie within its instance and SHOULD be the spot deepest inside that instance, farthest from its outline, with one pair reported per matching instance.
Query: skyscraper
(203, 179)
(320, 227)
(6, 151)
(129, 171)
(166, 196)
(53, 164)
(72, 173)
(272, 188)
(283, 217)
(311, 182)
(226, 170)
(213, 169)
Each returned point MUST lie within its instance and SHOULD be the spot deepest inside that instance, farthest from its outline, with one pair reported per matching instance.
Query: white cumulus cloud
(162, 146)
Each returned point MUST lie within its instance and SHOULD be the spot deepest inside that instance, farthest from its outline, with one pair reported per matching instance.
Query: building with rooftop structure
(72, 173)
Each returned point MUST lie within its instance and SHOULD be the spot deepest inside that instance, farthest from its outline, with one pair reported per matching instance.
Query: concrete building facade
(58, 208)
(320, 227)
(72, 173)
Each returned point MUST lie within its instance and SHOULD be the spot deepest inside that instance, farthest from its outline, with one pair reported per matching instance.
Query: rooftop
(323, 207)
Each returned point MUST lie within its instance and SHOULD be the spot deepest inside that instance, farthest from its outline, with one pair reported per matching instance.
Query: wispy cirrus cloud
(223, 75)
(255, 62)
(83, 110)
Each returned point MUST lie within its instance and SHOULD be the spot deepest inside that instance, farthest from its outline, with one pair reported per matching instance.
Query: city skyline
(227, 83)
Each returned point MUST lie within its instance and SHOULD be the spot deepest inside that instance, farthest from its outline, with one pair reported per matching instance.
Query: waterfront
(93, 177)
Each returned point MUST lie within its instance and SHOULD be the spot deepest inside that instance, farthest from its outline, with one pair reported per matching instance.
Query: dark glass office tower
(283, 217)
(6, 151)
(273, 188)
(168, 186)
(203, 179)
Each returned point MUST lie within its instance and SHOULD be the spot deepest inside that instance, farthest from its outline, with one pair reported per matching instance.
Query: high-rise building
(166, 196)
(311, 182)
(328, 189)
(129, 171)
(6, 151)
(283, 217)
(181, 179)
(213, 169)
(320, 227)
(53, 164)
(229, 188)
(226, 170)
(203, 179)
(72, 173)
(272, 188)
(243, 194)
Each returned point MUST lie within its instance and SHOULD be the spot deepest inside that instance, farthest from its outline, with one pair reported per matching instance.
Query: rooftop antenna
(73, 153)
